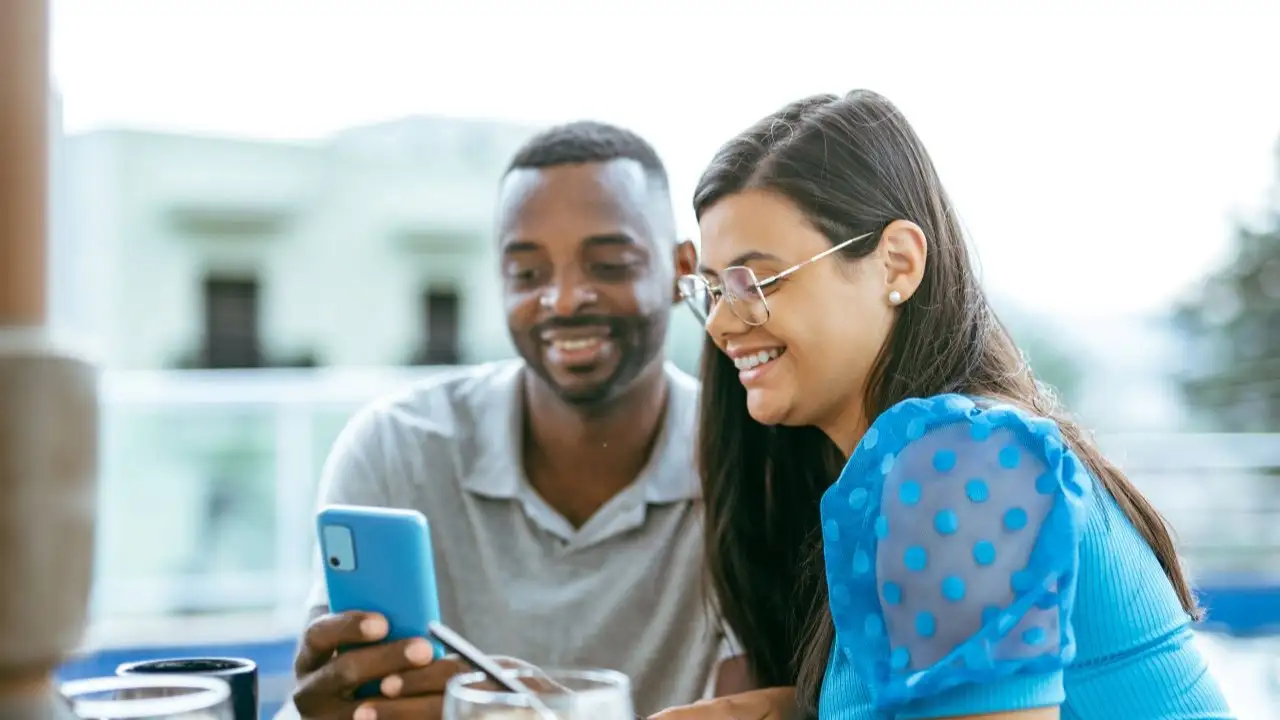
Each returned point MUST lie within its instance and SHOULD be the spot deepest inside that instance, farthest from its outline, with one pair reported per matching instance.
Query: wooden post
(48, 398)
(24, 118)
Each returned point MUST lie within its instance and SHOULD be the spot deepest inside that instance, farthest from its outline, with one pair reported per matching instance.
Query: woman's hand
(768, 704)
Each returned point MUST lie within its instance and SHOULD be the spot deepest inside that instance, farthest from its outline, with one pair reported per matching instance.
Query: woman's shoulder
(951, 545)
(910, 419)
(949, 435)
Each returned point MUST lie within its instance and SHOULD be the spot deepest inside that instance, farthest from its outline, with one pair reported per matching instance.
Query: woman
(976, 553)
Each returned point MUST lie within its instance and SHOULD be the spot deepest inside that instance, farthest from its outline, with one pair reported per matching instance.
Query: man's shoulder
(465, 384)
(435, 427)
(446, 403)
(447, 394)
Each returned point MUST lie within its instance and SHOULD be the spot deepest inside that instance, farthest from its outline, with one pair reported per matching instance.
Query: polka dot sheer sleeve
(951, 543)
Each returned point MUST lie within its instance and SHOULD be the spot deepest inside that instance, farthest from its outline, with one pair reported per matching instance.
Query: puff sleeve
(951, 543)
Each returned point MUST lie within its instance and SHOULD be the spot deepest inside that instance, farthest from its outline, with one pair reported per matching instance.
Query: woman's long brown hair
(852, 164)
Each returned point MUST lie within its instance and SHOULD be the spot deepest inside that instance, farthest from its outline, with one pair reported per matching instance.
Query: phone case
(380, 560)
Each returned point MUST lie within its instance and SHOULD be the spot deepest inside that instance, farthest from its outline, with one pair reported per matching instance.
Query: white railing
(256, 388)
(172, 542)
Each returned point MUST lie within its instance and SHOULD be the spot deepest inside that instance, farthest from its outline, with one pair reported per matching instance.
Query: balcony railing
(209, 481)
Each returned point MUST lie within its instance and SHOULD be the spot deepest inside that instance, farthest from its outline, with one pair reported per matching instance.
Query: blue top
(974, 568)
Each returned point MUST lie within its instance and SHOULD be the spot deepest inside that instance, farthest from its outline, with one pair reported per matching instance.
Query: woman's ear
(903, 249)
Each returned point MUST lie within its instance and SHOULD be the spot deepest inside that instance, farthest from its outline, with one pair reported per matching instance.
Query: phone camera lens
(334, 561)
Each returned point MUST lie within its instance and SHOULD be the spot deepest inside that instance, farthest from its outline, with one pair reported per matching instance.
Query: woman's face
(826, 324)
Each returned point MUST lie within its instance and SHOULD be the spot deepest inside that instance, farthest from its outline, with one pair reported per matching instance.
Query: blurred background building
(368, 249)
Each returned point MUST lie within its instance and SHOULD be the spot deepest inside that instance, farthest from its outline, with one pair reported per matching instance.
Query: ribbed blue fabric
(974, 567)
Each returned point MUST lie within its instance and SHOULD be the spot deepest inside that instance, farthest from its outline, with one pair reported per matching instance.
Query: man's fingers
(327, 633)
(338, 710)
(434, 677)
(426, 707)
(353, 668)
(430, 679)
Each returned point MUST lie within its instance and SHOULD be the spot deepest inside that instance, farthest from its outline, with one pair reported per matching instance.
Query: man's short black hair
(588, 141)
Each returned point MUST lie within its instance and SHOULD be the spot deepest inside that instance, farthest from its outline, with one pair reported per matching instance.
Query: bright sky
(1096, 150)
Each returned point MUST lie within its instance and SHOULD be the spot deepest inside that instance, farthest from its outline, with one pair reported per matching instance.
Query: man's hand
(412, 682)
(767, 704)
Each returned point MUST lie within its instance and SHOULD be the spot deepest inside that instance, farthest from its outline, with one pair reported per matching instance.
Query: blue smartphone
(380, 560)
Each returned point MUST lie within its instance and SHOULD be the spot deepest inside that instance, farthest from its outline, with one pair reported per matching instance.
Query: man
(560, 488)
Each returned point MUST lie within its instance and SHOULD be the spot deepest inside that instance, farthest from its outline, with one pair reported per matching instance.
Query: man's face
(588, 272)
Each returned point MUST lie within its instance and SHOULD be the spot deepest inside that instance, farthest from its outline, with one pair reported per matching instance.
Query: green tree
(1051, 365)
(1231, 324)
(1050, 362)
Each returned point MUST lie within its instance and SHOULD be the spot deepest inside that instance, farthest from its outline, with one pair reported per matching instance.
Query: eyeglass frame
(717, 292)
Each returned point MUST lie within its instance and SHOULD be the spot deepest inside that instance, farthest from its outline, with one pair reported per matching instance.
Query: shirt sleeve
(727, 648)
(951, 543)
(349, 477)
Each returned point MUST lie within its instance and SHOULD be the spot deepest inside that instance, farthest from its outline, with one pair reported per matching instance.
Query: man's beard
(638, 339)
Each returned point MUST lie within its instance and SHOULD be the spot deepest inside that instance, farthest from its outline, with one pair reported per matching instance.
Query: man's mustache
(577, 321)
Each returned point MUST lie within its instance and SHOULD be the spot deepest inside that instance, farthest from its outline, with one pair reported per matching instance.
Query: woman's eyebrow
(742, 259)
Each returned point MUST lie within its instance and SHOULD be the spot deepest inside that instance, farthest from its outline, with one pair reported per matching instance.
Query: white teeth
(577, 344)
(754, 360)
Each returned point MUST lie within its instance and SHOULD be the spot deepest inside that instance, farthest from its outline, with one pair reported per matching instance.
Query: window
(231, 324)
(440, 326)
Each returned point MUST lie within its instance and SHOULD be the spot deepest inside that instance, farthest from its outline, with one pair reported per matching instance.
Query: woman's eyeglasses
(740, 287)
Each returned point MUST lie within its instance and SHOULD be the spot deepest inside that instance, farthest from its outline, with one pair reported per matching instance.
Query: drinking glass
(568, 694)
(240, 674)
(150, 697)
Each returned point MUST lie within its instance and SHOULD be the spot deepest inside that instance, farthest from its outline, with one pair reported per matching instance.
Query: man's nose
(568, 298)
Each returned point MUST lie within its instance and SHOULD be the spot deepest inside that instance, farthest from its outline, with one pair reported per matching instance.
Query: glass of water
(150, 697)
(562, 694)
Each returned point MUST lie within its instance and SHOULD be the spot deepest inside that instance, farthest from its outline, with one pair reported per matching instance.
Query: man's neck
(579, 459)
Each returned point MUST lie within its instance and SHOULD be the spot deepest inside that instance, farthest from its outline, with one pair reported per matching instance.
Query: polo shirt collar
(497, 472)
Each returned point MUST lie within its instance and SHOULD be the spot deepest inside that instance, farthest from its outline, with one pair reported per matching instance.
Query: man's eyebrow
(603, 240)
(516, 246)
(742, 259)
(610, 239)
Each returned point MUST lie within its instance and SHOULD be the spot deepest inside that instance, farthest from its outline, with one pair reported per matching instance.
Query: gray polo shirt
(625, 591)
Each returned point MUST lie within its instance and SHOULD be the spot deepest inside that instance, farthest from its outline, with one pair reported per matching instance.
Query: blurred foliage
(1040, 341)
(1051, 365)
(1231, 325)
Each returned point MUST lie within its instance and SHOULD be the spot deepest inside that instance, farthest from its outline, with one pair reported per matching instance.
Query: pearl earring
(895, 297)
